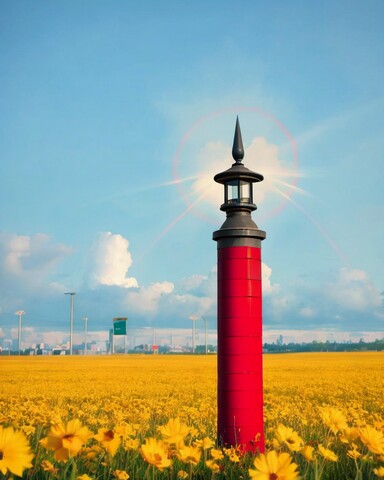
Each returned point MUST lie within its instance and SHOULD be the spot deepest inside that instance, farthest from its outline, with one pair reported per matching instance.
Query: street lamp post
(206, 336)
(239, 309)
(20, 313)
(72, 294)
(85, 336)
(193, 318)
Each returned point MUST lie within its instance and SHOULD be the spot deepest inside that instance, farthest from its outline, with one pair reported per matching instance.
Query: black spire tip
(237, 149)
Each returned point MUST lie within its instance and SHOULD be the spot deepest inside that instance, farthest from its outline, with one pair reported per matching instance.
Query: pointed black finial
(237, 149)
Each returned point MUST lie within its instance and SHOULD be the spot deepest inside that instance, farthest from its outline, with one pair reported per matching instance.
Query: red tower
(239, 312)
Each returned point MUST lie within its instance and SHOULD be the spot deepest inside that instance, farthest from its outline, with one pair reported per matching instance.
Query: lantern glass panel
(245, 192)
(233, 191)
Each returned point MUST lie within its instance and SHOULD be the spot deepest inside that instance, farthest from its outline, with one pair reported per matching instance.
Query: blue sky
(116, 115)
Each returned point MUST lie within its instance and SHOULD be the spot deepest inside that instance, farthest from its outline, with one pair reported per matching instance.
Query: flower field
(147, 417)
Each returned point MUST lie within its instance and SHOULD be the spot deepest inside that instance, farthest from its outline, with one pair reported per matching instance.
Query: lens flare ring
(199, 124)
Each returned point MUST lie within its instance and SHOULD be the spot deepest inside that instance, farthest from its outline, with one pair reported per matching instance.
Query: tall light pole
(72, 294)
(86, 332)
(20, 313)
(193, 318)
(206, 337)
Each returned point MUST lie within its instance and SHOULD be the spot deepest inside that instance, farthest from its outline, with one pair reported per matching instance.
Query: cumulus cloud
(27, 261)
(174, 303)
(347, 302)
(268, 286)
(354, 291)
(109, 261)
(23, 255)
(192, 283)
(264, 158)
(28, 265)
(147, 299)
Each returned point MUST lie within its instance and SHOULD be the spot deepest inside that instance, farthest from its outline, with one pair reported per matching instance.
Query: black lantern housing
(238, 180)
(238, 195)
(238, 188)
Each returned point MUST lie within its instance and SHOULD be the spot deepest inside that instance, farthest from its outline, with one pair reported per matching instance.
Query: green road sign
(119, 326)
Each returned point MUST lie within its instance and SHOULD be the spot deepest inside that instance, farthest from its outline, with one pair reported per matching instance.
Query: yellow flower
(47, 466)
(108, 440)
(233, 457)
(333, 418)
(274, 466)
(217, 454)
(91, 452)
(379, 472)
(349, 434)
(206, 443)
(307, 453)
(188, 454)
(182, 474)
(155, 453)
(212, 465)
(120, 431)
(121, 475)
(193, 431)
(291, 438)
(174, 431)
(379, 424)
(84, 477)
(354, 453)
(15, 452)
(28, 430)
(232, 454)
(327, 454)
(66, 440)
(373, 439)
(132, 444)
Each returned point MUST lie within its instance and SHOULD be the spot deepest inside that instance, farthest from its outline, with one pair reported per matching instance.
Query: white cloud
(26, 262)
(175, 303)
(268, 287)
(193, 282)
(346, 302)
(354, 291)
(265, 158)
(146, 299)
(24, 256)
(109, 261)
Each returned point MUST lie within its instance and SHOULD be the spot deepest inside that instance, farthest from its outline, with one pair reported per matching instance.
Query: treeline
(315, 346)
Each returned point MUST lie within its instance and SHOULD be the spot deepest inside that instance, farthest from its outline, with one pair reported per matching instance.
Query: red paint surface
(240, 364)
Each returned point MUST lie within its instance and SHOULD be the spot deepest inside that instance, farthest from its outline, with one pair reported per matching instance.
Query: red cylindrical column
(239, 309)
(240, 367)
